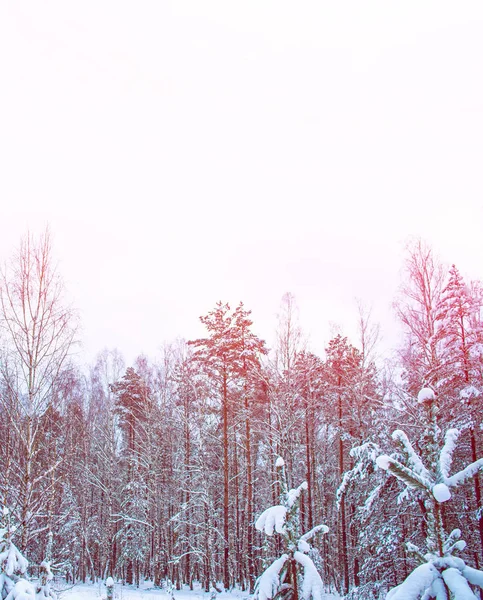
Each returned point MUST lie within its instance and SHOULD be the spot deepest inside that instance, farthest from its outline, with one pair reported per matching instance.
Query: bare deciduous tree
(38, 332)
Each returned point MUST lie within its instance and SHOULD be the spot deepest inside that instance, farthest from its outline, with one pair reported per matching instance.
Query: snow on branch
(294, 494)
(451, 539)
(414, 586)
(461, 476)
(269, 581)
(409, 477)
(312, 586)
(458, 584)
(413, 458)
(446, 456)
(474, 576)
(441, 492)
(426, 395)
(310, 534)
(272, 518)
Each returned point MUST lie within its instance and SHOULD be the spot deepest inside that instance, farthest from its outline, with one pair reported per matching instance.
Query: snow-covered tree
(39, 331)
(461, 335)
(416, 307)
(350, 390)
(293, 574)
(230, 356)
(379, 520)
(440, 574)
(13, 566)
(43, 590)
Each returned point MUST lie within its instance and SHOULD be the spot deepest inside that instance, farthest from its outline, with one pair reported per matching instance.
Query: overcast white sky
(189, 152)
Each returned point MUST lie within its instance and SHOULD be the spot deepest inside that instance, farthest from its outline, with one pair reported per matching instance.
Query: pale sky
(190, 152)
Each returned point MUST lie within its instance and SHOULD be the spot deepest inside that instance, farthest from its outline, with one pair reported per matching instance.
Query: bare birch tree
(38, 332)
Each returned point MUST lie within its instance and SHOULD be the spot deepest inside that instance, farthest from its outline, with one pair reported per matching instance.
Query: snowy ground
(86, 591)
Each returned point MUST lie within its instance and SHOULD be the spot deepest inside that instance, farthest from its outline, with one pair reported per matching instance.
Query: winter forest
(281, 471)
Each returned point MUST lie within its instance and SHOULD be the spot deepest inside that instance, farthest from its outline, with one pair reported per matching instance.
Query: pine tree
(461, 337)
(293, 575)
(230, 357)
(133, 406)
(350, 392)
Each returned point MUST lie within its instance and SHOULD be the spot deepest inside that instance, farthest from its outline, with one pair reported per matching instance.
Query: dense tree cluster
(160, 469)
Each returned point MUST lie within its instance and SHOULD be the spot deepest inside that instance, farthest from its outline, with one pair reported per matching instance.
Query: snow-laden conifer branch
(409, 477)
(474, 576)
(312, 586)
(365, 457)
(269, 580)
(317, 529)
(272, 518)
(462, 476)
(415, 551)
(437, 591)
(446, 456)
(457, 584)
(294, 494)
(413, 458)
(414, 586)
(451, 539)
(371, 498)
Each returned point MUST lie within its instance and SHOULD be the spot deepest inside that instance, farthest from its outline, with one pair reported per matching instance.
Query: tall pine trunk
(226, 481)
(343, 527)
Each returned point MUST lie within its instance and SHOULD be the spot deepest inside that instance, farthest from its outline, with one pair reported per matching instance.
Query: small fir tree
(43, 589)
(440, 574)
(293, 574)
(109, 588)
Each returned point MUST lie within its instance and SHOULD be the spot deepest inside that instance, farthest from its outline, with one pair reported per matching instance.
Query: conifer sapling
(293, 574)
(441, 575)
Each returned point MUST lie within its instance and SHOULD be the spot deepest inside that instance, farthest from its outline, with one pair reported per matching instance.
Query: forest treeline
(159, 469)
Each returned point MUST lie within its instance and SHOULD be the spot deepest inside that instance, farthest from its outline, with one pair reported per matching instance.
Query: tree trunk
(343, 528)
(226, 540)
(249, 515)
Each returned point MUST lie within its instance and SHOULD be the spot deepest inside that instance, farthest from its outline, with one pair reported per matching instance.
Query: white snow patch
(317, 529)
(295, 493)
(273, 517)
(312, 586)
(469, 392)
(383, 461)
(458, 584)
(413, 587)
(473, 576)
(425, 395)
(446, 456)
(269, 581)
(23, 590)
(441, 492)
(438, 590)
